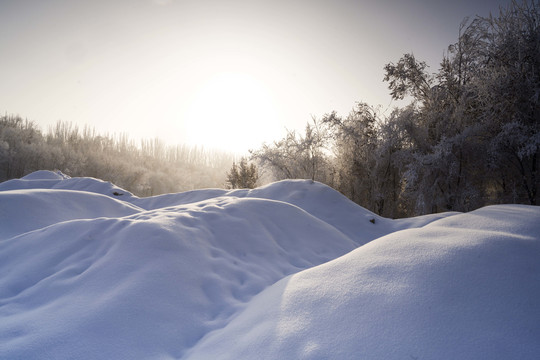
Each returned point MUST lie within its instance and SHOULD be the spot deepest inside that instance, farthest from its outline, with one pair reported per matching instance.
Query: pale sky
(222, 74)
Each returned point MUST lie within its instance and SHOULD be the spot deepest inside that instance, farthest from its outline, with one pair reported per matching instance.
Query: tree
(242, 176)
(355, 143)
(408, 77)
(149, 169)
(474, 127)
(297, 156)
(509, 89)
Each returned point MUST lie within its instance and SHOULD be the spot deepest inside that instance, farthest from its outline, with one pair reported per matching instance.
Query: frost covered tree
(473, 126)
(21, 147)
(355, 142)
(392, 155)
(147, 169)
(470, 135)
(297, 156)
(509, 90)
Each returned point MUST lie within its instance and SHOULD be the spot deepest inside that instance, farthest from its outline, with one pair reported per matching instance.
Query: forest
(469, 136)
(147, 168)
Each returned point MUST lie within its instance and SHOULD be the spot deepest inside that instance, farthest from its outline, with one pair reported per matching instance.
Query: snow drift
(462, 288)
(290, 270)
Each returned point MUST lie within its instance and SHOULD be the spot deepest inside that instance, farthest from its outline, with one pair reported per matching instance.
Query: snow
(56, 180)
(27, 210)
(292, 270)
(466, 287)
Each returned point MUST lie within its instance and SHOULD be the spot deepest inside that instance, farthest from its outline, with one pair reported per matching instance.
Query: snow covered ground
(292, 270)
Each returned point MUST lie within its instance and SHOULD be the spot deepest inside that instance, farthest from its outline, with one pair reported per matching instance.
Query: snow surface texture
(292, 270)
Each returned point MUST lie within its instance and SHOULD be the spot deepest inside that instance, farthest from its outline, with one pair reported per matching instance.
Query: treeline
(469, 137)
(147, 168)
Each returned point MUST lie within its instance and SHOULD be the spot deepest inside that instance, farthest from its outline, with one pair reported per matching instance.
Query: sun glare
(231, 111)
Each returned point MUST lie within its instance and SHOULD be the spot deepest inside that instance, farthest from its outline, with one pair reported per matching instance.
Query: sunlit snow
(292, 270)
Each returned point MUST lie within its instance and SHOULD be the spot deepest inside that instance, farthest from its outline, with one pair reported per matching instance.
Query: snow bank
(46, 175)
(319, 200)
(26, 210)
(149, 285)
(465, 287)
(329, 205)
(188, 197)
(274, 272)
(44, 179)
(88, 276)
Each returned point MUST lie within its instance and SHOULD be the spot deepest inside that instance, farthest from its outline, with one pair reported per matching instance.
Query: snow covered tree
(297, 156)
(355, 142)
(476, 125)
(392, 155)
(408, 78)
(148, 169)
(509, 89)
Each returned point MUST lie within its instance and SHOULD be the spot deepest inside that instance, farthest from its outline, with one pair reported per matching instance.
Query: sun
(232, 111)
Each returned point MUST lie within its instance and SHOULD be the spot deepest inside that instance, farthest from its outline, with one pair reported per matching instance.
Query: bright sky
(223, 74)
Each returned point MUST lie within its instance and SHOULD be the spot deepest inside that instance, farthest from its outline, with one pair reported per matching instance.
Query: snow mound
(319, 200)
(26, 210)
(89, 271)
(46, 175)
(50, 180)
(188, 197)
(329, 205)
(152, 284)
(464, 287)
